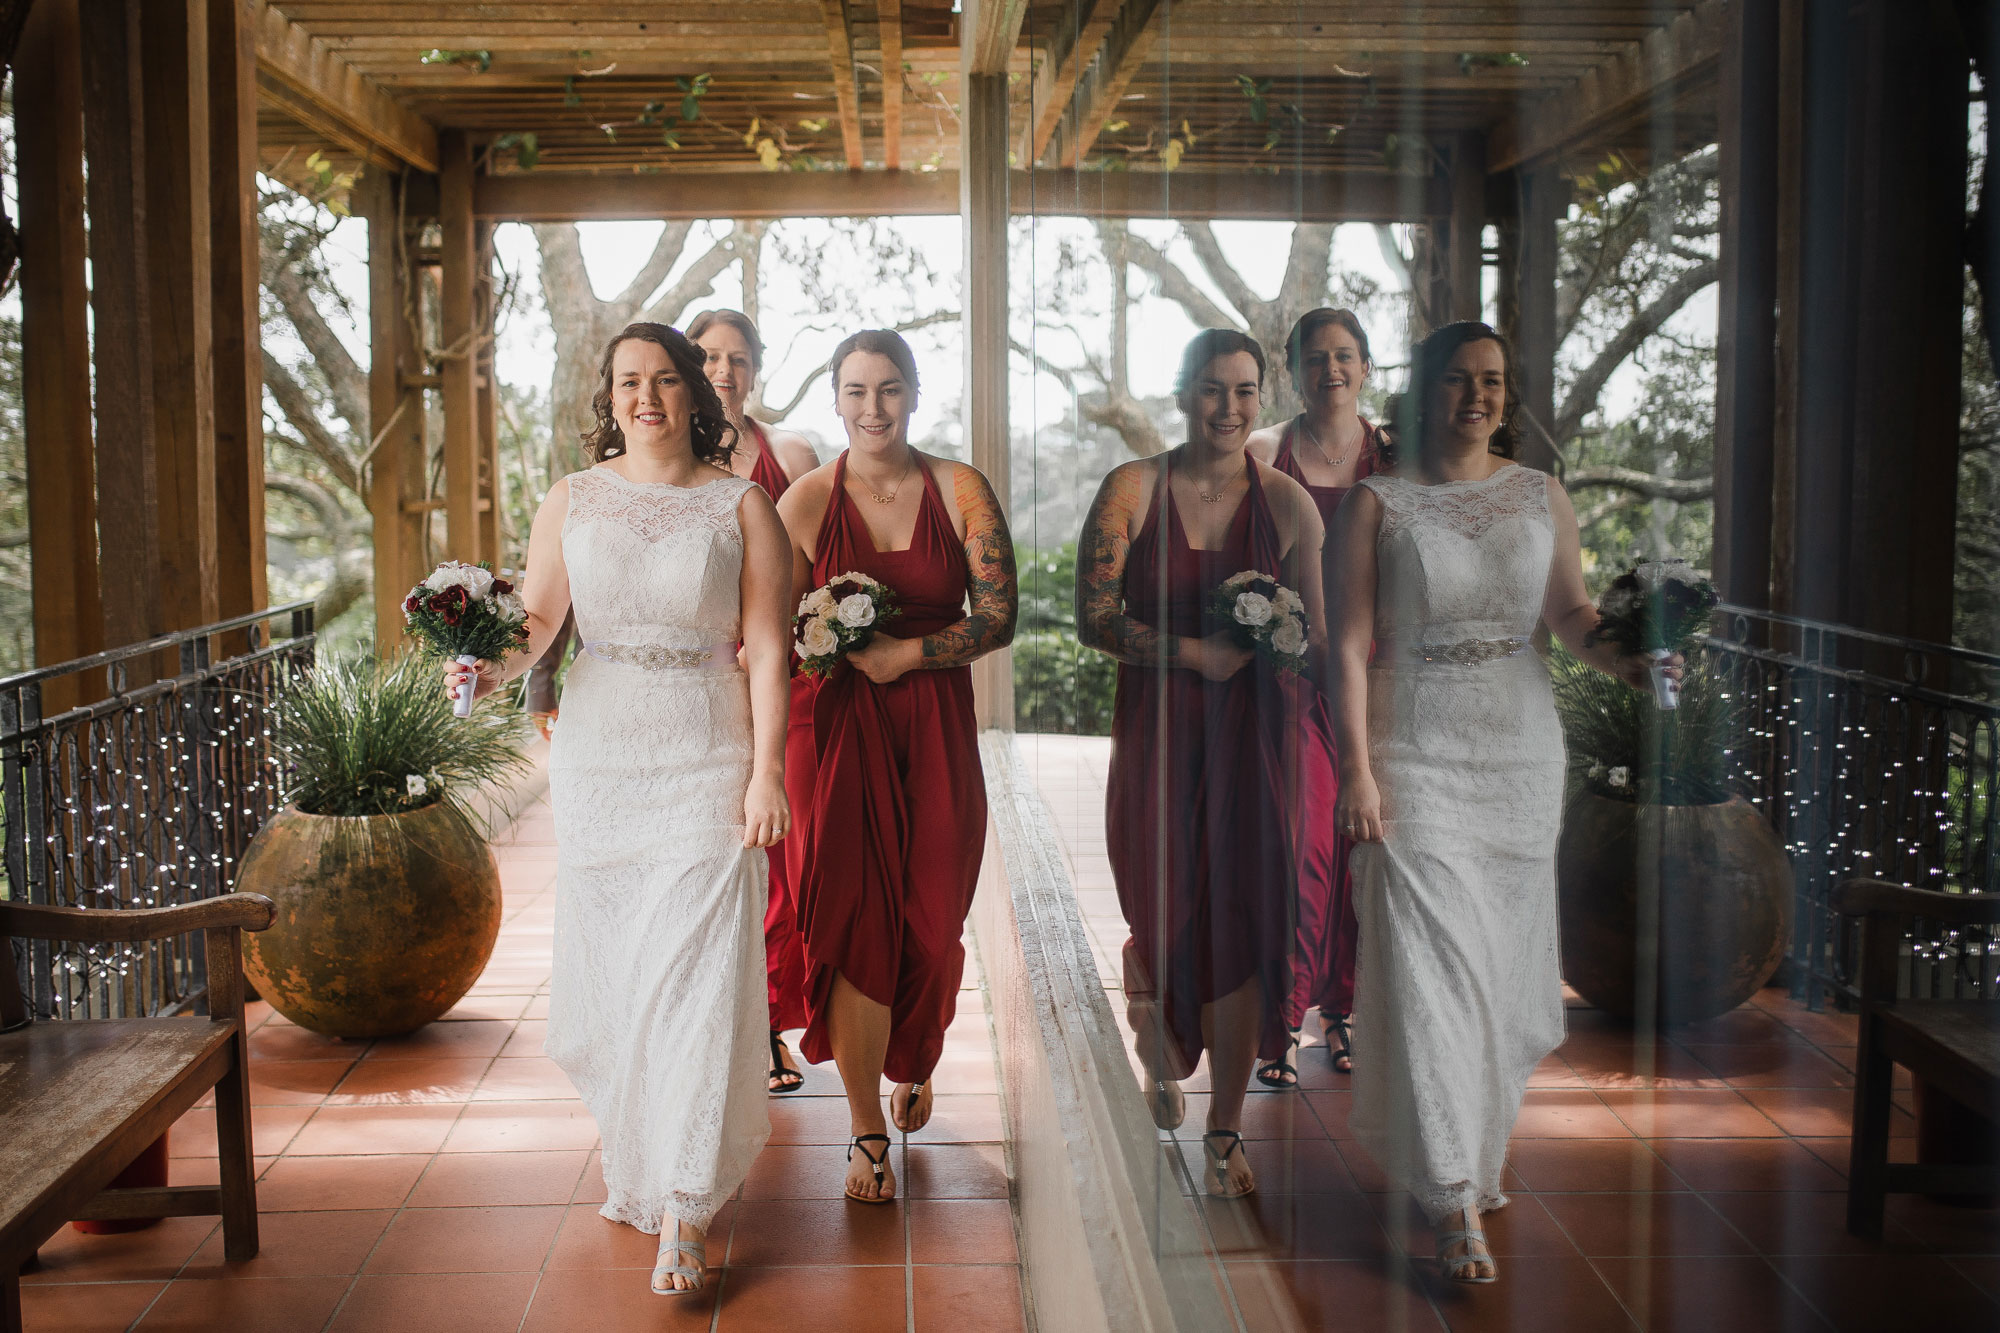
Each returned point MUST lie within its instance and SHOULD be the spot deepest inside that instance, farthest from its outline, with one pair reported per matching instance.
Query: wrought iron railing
(1870, 755)
(145, 797)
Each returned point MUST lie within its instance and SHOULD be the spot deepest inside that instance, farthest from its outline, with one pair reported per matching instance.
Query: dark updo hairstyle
(737, 320)
(1203, 348)
(1429, 360)
(882, 342)
(1312, 322)
(713, 437)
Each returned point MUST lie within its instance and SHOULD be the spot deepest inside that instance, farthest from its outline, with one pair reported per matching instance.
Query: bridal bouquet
(466, 613)
(1654, 608)
(839, 617)
(1266, 617)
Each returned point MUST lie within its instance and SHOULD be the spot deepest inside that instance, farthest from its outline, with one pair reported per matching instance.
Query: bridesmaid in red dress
(1203, 737)
(1326, 448)
(774, 459)
(893, 802)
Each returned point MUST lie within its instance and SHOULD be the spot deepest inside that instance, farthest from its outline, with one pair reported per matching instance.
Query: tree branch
(1591, 380)
(316, 439)
(1176, 286)
(666, 251)
(346, 382)
(1222, 273)
(1634, 482)
(698, 281)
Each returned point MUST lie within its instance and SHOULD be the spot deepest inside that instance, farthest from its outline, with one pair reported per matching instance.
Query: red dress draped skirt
(895, 808)
(1198, 818)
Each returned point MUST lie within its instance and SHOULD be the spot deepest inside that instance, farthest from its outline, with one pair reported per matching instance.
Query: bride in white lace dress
(1452, 780)
(667, 780)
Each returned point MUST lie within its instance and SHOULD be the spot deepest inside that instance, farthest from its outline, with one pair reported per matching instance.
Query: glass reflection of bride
(1198, 824)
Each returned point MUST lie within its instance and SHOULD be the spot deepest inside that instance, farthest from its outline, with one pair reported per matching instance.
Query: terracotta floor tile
(1796, 1222)
(154, 1254)
(1296, 1226)
(497, 1008)
(295, 1183)
(1315, 1295)
(460, 1180)
(1554, 1072)
(373, 1130)
(1643, 1224)
(522, 1127)
(962, 1118)
(1945, 1228)
(969, 1071)
(526, 1039)
(588, 1239)
(1982, 1273)
(1745, 1164)
(1331, 1107)
(1699, 1114)
(1630, 1068)
(538, 1008)
(284, 1041)
(271, 1129)
(1270, 1115)
(249, 1305)
(1827, 1028)
(409, 1082)
(1367, 1174)
(1715, 1295)
(1834, 1150)
(1820, 1113)
(798, 1120)
(1772, 1065)
(592, 1301)
(1744, 1024)
(466, 1240)
(288, 1082)
(962, 1231)
(952, 1171)
(967, 1299)
(435, 1303)
(817, 1231)
(466, 1040)
(1532, 1294)
(527, 1078)
(1589, 1164)
(317, 1244)
(816, 1171)
(1523, 1228)
(1559, 1114)
(1283, 1166)
(90, 1307)
(591, 1188)
(853, 1300)
(1900, 1291)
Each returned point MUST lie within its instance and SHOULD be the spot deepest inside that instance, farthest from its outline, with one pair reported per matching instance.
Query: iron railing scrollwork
(145, 797)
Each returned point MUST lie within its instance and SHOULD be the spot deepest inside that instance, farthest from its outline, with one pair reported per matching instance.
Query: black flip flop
(782, 1080)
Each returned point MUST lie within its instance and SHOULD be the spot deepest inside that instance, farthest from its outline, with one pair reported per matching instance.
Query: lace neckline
(1502, 471)
(620, 477)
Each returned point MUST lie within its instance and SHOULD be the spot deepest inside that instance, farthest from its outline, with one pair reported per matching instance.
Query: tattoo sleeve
(993, 587)
(1101, 622)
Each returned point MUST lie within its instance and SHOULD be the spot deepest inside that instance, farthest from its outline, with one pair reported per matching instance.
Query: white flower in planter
(415, 785)
(1619, 777)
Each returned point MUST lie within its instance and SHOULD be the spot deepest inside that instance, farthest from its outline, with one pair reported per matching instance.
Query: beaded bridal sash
(660, 657)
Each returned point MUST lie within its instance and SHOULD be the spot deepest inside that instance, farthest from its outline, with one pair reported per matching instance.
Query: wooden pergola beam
(840, 54)
(305, 77)
(988, 32)
(1075, 46)
(1684, 52)
(1315, 196)
(889, 13)
(1100, 88)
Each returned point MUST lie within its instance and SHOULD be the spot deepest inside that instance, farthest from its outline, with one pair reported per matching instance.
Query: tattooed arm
(995, 592)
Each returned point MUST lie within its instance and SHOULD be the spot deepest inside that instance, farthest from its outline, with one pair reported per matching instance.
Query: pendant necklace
(1318, 448)
(1220, 491)
(890, 498)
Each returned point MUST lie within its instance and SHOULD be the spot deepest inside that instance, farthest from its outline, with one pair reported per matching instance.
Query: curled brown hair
(1312, 322)
(1429, 360)
(1203, 348)
(882, 342)
(713, 437)
(737, 320)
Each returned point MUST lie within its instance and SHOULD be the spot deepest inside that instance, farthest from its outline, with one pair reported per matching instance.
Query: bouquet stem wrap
(1666, 690)
(461, 703)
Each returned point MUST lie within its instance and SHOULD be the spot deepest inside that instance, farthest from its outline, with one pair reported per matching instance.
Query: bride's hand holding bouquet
(472, 619)
(1649, 614)
(842, 620)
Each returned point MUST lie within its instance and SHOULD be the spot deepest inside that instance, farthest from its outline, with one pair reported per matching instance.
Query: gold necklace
(1221, 490)
(1313, 438)
(890, 498)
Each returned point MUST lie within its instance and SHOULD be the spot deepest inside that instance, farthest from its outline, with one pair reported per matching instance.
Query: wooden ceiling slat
(1102, 86)
(1074, 47)
(889, 15)
(840, 56)
(316, 86)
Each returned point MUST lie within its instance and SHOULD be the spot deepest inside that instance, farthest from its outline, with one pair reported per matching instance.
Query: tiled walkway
(449, 1181)
(1701, 1188)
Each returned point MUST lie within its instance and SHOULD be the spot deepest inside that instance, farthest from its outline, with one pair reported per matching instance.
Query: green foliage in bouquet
(360, 736)
(1624, 747)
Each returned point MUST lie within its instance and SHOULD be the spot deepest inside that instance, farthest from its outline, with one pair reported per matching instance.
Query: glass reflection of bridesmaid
(1197, 819)
(733, 356)
(1327, 448)
(892, 799)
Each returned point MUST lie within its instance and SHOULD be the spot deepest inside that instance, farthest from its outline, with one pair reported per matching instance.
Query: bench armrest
(1867, 897)
(96, 925)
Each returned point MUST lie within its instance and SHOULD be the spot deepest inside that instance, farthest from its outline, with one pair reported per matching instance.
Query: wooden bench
(80, 1099)
(1953, 1045)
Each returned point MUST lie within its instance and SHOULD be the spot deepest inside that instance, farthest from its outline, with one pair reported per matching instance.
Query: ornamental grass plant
(1623, 747)
(365, 736)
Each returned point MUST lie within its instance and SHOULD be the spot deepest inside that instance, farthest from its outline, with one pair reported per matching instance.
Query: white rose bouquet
(838, 618)
(1266, 617)
(1654, 608)
(466, 613)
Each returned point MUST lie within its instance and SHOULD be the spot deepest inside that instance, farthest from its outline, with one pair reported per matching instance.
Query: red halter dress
(1197, 819)
(1323, 974)
(895, 810)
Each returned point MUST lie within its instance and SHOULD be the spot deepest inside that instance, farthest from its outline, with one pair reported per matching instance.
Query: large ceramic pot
(1678, 912)
(383, 923)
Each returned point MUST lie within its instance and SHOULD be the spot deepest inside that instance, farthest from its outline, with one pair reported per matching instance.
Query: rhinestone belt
(658, 657)
(1467, 652)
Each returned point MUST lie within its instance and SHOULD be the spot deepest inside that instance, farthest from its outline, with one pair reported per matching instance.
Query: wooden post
(395, 407)
(983, 216)
(115, 141)
(487, 384)
(55, 347)
(1785, 333)
(1468, 225)
(175, 78)
(1544, 200)
(239, 368)
(457, 321)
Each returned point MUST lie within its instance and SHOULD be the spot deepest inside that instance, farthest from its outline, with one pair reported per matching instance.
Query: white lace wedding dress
(657, 1009)
(1457, 992)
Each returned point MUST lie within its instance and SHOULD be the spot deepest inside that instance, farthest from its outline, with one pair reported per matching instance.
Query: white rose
(857, 610)
(477, 582)
(1619, 776)
(1289, 601)
(1289, 638)
(1252, 608)
(857, 577)
(817, 639)
(415, 785)
(818, 602)
(512, 608)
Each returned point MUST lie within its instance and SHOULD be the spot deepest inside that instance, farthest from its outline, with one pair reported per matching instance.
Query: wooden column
(457, 330)
(1544, 199)
(55, 344)
(175, 78)
(115, 140)
(1746, 341)
(239, 369)
(1467, 227)
(983, 217)
(396, 497)
(487, 385)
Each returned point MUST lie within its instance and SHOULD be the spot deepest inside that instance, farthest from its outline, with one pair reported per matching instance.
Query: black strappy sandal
(862, 1141)
(783, 1080)
(1218, 1163)
(1282, 1074)
(910, 1106)
(1340, 1043)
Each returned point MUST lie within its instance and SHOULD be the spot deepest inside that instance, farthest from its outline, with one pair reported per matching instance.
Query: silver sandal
(673, 1250)
(1465, 1267)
